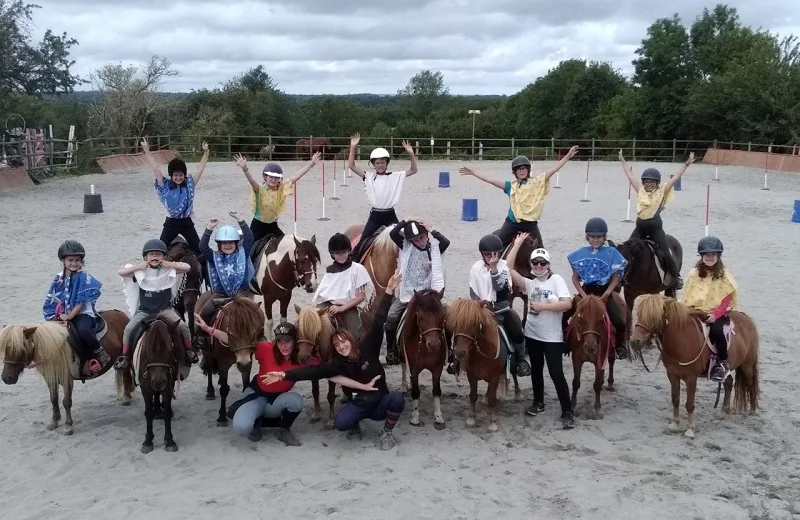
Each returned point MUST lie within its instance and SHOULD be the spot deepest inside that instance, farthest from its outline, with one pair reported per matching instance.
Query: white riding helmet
(379, 153)
(540, 253)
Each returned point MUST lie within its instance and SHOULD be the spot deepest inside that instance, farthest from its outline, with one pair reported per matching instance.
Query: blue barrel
(677, 184)
(444, 179)
(796, 212)
(469, 210)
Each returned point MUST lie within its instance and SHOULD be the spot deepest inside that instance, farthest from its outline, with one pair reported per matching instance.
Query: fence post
(391, 146)
(358, 153)
(416, 148)
(634, 150)
(431, 147)
(674, 148)
(448, 150)
(230, 150)
(480, 151)
(552, 147)
(269, 143)
(593, 148)
(749, 145)
(513, 149)
(310, 147)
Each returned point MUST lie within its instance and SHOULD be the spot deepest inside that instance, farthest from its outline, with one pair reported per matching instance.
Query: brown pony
(476, 346)
(242, 320)
(590, 337)
(641, 276)
(423, 346)
(156, 362)
(314, 331)
(380, 258)
(522, 265)
(285, 263)
(190, 290)
(686, 355)
(47, 345)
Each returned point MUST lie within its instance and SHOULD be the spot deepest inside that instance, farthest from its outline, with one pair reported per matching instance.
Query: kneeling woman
(358, 361)
(271, 405)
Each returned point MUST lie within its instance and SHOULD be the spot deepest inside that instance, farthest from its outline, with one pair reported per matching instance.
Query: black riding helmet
(652, 174)
(709, 244)
(154, 245)
(71, 248)
(339, 243)
(176, 165)
(490, 244)
(413, 230)
(596, 226)
(521, 160)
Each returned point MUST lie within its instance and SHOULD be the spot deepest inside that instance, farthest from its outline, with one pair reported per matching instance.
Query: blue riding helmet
(596, 226)
(227, 234)
(273, 170)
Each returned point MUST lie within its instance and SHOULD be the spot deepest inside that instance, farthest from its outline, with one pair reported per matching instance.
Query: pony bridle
(298, 270)
(423, 333)
(582, 334)
(473, 341)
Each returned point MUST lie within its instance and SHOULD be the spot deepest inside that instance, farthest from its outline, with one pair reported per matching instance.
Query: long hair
(717, 271)
(652, 310)
(469, 315)
(346, 335)
(280, 358)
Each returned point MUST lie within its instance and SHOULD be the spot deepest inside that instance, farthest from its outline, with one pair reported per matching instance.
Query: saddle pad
(654, 249)
(728, 330)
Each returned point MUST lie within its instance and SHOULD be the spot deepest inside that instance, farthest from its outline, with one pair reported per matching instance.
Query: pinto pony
(47, 345)
(424, 347)
(242, 320)
(590, 337)
(476, 346)
(686, 354)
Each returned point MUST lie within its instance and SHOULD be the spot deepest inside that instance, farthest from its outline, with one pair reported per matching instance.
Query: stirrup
(93, 366)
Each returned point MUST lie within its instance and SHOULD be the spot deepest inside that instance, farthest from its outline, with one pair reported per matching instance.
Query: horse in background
(186, 301)
(687, 354)
(477, 348)
(306, 148)
(47, 345)
(423, 346)
(266, 152)
(591, 338)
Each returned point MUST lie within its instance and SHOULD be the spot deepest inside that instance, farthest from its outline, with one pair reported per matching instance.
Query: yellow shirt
(527, 200)
(268, 204)
(648, 202)
(705, 294)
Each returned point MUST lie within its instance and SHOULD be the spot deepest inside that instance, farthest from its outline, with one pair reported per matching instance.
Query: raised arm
(516, 278)
(248, 239)
(396, 233)
(410, 151)
(241, 162)
(202, 166)
(374, 337)
(637, 185)
(570, 154)
(351, 159)
(305, 169)
(205, 249)
(152, 162)
(671, 182)
(464, 170)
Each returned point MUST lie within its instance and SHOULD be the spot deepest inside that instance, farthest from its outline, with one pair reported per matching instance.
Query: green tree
(424, 93)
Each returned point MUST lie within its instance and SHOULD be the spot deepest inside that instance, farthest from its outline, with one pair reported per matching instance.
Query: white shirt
(339, 288)
(383, 191)
(546, 326)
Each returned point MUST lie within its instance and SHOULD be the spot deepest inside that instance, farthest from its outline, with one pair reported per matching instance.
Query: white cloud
(347, 46)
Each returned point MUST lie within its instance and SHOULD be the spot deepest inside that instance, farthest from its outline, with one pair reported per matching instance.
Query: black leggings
(262, 229)
(512, 324)
(181, 226)
(539, 352)
(509, 230)
(84, 328)
(716, 334)
(375, 221)
(653, 229)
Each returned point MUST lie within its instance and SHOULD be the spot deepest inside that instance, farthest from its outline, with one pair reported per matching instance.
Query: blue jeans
(388, 407)
(84, 327)
(246, 415)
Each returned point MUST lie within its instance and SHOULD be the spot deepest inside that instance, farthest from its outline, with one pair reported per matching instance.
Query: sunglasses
(539, 262)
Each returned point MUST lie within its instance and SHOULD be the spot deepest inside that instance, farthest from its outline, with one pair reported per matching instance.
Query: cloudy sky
(349, 46)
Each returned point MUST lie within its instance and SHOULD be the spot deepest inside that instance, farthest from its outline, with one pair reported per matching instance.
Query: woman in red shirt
(273, 405)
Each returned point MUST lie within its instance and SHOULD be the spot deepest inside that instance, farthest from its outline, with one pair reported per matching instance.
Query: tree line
(712, 79)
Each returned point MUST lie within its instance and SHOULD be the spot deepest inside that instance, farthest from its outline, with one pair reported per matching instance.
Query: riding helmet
(273, 170)
(176, 165)
(413, 230)
(71, 248)
(652, 174)
(379, 153)
(490, 244)
(596, 226)
(339, 243)
(227, 234)
(285, 331)
(154, 245)
(709, 245)
(520, 160)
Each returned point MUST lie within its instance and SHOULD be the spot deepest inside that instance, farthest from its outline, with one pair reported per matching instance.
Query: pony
(380, 258)
(424, 347)
(642, 274)
(476, 346)
(186, 301)
(686, 354)
(590, 337)
(522, 265)
(285, 263)
(242, 320)
(47, 345)
(156, 362)
(266, 152)
(308, 147)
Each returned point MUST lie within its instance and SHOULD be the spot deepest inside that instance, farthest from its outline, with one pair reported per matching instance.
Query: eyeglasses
(539, 262)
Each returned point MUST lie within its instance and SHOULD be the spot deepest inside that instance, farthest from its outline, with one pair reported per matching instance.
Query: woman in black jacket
(359, 361)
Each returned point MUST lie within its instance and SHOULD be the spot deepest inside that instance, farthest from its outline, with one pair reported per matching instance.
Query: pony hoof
(417, 424)
(158, 416)
(171, 447)
(314, 419)
(52, 426)
(492, 427)
(67, 431)
(689, 433)
(440, 425)
(126, 402)
(210, 397)
(611, 388)
(470, 422)
(329, 426)
(597, 415)
(222, 424)
(146, 448)
(674, 427)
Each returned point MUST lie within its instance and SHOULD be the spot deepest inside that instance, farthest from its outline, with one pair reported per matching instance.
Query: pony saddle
(365, 244)
(728, 330)
(78, 357)
(659, 255)
(100, 330)
(256, 255)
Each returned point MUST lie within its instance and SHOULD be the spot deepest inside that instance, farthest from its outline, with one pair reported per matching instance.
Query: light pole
(473, 113)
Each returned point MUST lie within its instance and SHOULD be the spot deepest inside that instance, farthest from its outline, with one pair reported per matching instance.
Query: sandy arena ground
(624, 466)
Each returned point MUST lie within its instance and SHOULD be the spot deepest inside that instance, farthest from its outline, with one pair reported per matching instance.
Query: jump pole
(586, 185)
(344, 172)
(628, 211)
(766, 168)
(708, 201)
(296, 185)
(716, 162)
(323, 217)
(334, 179)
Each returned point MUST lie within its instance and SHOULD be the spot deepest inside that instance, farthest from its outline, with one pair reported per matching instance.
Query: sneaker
(567, 420)
(719, 372)
(622, 352)
(355, 432)
(287, 437)
(523, 369)
(392, 358)
(102, 357)
(679, 283)
(534, 409)
(387, 440)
